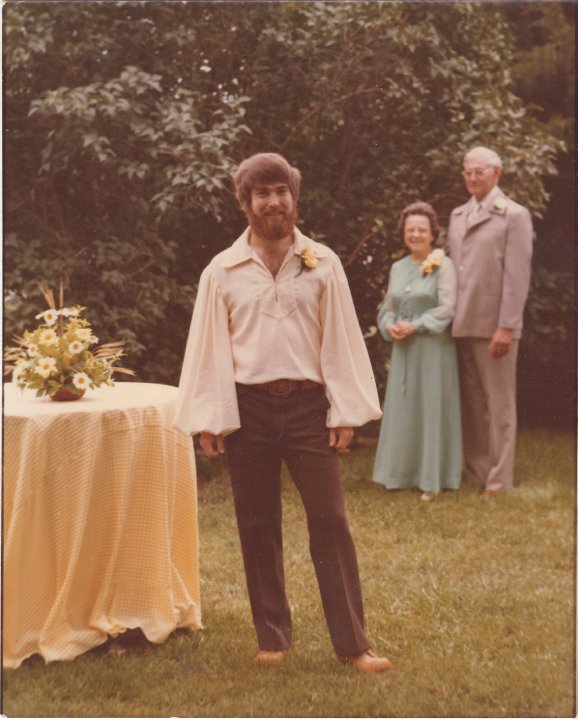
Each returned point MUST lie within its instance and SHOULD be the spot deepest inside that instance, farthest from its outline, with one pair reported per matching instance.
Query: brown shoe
(270, 657)
(368, 662)
(491, 493)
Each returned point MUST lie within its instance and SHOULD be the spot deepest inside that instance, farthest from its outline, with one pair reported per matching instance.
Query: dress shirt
(473, 211)
(250, 327)
(476, 206)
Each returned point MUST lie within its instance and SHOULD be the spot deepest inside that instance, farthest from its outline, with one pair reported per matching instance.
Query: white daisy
(69, 312)
(500, 203)
(48, 337)
(45, 366)
(80, 380)
(85, 335)
(19, 371)
(75, 347)
(49, 316)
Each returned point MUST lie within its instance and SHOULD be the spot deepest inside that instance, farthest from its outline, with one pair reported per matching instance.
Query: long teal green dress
(420, 441)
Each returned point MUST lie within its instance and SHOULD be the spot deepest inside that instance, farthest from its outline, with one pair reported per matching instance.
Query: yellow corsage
(432, 262)
(308, 260)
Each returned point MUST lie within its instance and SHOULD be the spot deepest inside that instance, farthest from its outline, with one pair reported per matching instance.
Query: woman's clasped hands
(401, 329)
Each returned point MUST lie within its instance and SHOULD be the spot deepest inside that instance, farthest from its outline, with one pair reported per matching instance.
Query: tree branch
(323, 106)
(357, 249)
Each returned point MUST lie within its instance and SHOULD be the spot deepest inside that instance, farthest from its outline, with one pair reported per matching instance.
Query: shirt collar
(487, 199)
(240, 251)
(302, 242)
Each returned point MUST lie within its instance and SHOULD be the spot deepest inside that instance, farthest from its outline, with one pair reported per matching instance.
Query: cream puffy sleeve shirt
(249, 327)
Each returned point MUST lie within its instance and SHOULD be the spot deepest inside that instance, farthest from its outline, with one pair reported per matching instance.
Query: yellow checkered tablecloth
(100, 521)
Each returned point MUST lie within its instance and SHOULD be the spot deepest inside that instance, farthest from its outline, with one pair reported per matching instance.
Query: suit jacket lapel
(461, 219)
(483, 215)
(486, 212)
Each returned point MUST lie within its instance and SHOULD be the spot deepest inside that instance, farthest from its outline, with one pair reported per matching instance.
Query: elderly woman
(420, 438)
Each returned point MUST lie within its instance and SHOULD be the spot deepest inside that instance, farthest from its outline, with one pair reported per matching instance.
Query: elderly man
(276, 370)
(490, 242)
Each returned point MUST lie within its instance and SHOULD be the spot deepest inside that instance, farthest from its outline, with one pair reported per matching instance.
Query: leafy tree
(124, 122)
(102, 156)
(543, 76)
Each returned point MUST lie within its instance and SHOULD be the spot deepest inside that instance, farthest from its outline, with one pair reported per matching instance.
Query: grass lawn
(472, 599)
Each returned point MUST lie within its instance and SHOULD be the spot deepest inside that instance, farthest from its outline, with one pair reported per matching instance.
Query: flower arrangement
(55, 359)
(432, 262)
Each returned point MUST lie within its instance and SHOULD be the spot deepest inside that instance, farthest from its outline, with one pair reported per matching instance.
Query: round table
(100, 521)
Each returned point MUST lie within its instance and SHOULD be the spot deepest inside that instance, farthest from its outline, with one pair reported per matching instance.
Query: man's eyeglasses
(477, 173)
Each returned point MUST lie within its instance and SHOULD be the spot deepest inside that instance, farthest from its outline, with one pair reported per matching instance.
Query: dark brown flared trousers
(292, 428)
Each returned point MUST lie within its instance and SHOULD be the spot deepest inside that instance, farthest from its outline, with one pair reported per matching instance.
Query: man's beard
(274, 226)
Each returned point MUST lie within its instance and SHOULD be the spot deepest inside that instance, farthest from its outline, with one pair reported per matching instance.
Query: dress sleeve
(386, 314)
(438, 318)
(207, 399)
(345, 365)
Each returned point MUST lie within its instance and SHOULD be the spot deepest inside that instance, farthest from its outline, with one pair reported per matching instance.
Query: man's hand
(212, 445)
(340, 437)
(501, 342)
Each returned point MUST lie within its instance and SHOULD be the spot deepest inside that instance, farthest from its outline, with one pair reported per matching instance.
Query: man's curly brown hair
(264, 169)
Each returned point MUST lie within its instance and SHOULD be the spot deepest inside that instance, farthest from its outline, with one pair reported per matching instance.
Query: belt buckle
(282, 387)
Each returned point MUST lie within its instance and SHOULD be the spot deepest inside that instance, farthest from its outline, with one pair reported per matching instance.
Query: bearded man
(276, 369)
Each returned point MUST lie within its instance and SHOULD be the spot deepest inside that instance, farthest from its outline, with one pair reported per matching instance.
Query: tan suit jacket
(493, 261)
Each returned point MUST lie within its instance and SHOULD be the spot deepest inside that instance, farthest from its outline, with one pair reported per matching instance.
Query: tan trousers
(488, 397)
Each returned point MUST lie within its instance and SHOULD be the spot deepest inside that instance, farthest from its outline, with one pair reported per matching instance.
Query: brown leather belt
(285, 387)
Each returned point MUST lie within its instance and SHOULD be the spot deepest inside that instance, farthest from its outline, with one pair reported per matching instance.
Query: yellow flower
(432, 262)
(308, 259)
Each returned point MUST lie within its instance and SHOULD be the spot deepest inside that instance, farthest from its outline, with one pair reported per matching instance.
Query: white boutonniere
(432, 262)
(308, 260)
(500, 205)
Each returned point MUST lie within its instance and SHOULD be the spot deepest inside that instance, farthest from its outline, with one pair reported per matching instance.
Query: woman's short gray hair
(484, 153)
